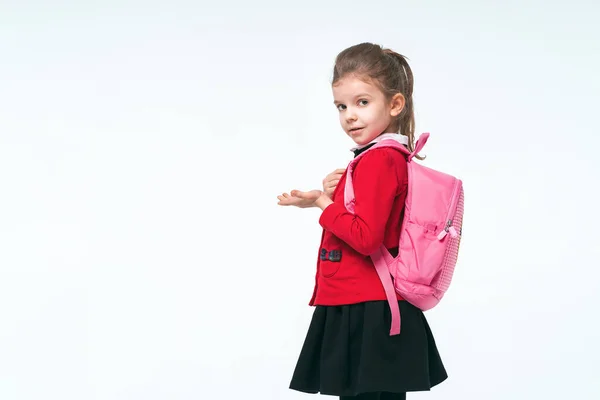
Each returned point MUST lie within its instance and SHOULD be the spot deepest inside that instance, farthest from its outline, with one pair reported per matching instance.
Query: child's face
(364, 111)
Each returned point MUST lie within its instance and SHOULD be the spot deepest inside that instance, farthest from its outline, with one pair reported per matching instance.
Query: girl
(348, 351)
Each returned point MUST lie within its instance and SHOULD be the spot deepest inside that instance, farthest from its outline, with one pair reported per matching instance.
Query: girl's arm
(376, 182)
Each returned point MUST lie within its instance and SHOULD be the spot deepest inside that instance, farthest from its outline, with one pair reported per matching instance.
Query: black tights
(376, 396)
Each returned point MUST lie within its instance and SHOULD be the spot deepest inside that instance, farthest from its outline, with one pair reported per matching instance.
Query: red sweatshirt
(345, 273)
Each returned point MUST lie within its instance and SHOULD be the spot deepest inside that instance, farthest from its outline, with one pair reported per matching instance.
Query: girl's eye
(363, 102)
(341, 107)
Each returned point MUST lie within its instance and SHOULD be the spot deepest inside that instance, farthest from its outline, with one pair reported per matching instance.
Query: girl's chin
(360, 138)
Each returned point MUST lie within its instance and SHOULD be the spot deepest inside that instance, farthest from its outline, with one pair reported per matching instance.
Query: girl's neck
(386, 135)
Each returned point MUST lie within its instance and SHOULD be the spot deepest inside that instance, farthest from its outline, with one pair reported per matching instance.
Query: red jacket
(345, 273)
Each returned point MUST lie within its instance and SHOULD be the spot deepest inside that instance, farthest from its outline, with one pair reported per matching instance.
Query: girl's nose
(350, 116)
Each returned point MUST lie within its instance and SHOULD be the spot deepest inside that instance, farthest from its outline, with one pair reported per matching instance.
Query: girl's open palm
(299, 199)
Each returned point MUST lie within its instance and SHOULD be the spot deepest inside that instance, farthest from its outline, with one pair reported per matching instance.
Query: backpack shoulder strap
(393, 143)
(349, 188)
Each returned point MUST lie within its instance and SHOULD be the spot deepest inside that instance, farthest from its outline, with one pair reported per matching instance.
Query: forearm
(364, 236)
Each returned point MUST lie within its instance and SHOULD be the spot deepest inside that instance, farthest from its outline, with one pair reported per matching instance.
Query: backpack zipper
(449, 228)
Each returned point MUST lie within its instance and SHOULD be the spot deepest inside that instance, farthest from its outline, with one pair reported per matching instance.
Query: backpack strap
(382, 268)
(349, 188)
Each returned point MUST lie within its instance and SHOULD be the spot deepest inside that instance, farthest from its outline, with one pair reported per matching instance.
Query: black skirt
(348, 351)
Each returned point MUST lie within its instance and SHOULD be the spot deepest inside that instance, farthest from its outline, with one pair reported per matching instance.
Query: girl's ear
(397, 104)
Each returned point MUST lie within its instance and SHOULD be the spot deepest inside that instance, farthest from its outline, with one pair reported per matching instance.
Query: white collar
(396, 136)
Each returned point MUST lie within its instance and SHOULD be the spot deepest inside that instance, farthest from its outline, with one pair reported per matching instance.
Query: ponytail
(406, 119)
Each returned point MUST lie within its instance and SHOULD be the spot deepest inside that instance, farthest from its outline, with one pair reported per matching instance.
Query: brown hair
(389, 70)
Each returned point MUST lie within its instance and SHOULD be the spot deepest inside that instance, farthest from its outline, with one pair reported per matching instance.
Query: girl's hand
(300, 199)
(331, 181)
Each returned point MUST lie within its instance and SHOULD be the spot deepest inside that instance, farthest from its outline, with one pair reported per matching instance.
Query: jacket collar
(395, 136)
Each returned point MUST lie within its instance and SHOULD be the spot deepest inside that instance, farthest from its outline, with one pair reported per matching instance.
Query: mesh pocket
(451, 255)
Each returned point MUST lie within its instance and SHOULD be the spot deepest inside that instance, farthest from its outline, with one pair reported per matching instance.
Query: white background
(143, 144)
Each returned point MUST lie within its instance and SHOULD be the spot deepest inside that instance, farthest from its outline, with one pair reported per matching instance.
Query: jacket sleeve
(376, 184)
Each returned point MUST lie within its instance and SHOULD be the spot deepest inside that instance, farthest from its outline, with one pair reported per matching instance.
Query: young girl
(348, 351)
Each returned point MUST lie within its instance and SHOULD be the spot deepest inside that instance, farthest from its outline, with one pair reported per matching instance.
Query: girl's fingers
(335, 174)
(296, 197)
(332, 184)
(298, 193)
(284, 199)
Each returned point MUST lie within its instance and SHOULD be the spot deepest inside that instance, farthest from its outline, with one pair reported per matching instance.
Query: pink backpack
(429, 239)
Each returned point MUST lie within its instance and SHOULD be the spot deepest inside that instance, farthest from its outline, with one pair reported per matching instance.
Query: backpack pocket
(421, 253)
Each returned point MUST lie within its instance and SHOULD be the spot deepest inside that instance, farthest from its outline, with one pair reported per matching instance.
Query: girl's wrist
(323, 201)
